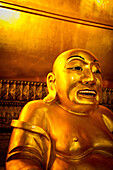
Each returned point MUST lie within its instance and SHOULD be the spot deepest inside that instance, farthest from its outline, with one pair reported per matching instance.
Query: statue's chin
(78, 104)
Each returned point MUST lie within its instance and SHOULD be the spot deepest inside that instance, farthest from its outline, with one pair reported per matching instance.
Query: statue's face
(78, 80)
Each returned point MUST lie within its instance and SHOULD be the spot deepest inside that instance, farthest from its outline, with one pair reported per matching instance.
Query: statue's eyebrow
(97, 62)
(77, 56)
(80, 57)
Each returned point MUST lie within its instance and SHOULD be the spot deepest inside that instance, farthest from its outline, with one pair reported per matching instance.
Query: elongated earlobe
(51, 85)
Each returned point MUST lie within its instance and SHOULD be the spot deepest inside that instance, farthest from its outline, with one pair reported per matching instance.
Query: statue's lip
(87, 93)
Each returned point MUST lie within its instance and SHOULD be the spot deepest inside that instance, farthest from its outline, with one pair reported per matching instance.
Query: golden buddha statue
(68, 130)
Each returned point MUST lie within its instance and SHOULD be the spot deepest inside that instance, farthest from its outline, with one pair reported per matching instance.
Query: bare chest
(78, 137)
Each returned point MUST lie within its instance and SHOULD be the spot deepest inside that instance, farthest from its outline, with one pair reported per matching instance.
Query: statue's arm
(22, 164)
(29, 144)
(107, 116)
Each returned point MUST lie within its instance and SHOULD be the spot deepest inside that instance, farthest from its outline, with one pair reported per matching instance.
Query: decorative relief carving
(107, 96)
(7, 113)
(12, 90)
(14, 95)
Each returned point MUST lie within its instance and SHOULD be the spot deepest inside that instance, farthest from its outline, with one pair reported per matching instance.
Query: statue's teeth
(87, 91)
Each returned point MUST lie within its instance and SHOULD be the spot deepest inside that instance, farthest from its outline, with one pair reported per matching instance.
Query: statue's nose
(89, 78)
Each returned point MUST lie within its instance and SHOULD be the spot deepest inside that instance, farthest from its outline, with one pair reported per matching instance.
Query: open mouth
(87, 93)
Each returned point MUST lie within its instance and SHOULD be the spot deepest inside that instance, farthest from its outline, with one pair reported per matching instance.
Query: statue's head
(76, 81)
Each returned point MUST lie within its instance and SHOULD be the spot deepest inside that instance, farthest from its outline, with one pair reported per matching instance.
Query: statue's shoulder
(104, 110)
(107, 116)
(33, 111)
(35, 104)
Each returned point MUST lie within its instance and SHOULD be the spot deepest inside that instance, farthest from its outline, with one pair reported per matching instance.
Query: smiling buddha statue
(68, 130)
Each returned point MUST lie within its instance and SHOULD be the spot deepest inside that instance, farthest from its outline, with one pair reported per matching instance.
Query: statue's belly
(81, 145)
(92, 162)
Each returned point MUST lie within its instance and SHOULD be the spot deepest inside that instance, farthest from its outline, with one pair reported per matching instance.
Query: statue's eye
(97, 71)
(76, 68)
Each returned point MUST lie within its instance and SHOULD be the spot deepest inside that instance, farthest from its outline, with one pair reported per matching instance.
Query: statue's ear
(51, 85)
(51, 81)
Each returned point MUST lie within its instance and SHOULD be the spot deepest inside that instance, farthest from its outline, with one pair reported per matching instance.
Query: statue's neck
(73, 112)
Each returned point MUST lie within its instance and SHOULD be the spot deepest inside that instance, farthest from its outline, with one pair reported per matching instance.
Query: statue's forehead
(77, 54)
